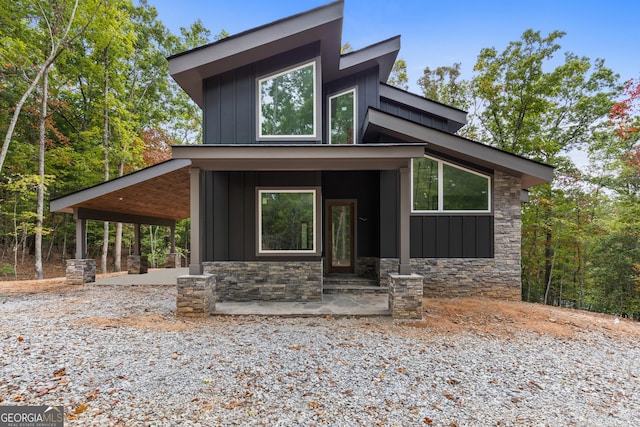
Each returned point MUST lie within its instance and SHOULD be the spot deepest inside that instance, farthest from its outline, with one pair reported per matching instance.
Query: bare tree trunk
(105, 147)
(117, 250)
(41, 187)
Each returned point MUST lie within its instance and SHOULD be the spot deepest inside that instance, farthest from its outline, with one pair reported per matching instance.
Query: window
(441, 186)
(342, 118)
(287, 221)
(287, 104)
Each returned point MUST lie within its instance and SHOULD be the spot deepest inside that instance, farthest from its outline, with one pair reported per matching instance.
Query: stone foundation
(266, 280)
(368, 267)
(81, 271)
(405, 296)
(173, 260)
(196, 296)
(137, 264)
(387, 266)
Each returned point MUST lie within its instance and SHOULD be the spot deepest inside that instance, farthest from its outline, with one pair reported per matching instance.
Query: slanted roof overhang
(260, 157)
(454, 116)
(530, 172)
(157, 195)
(322, 24)
(383, 54)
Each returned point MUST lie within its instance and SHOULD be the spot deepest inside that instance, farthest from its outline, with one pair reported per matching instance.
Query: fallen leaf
(42, 392)
(80, 409)
(294, 347)
(401, 370)
(60, 372)
(314, 405)
(20, 339)
(427, 420)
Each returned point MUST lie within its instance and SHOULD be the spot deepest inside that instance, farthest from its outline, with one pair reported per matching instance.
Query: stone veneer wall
(81, 271)
(367, 267)
(497, 277)
(405, 296)
(266, 280)
(196, 295)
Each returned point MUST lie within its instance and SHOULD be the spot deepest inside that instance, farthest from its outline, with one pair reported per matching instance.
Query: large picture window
(342, 118)
(438, 186)
(287, 221)
(287, 103)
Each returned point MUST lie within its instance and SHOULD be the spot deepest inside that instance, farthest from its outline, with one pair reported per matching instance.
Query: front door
(341, 236)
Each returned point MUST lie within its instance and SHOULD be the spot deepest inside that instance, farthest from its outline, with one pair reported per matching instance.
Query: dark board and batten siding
(451, 236)
(413, 115)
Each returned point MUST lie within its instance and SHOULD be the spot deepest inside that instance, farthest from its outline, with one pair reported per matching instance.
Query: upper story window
(342, 117)
(287, 104)
(439, 186)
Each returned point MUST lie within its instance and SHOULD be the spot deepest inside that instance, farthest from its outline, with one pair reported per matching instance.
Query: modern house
(312, 167)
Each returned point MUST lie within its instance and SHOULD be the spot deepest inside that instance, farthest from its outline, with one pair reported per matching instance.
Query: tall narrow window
(342, 118)
(438, 186)
(287, 103)
(287, 221)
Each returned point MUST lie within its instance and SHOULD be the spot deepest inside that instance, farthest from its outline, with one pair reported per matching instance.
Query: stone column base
(81, 271)
(173, 260)
(405, 296)
(196, 295)
(137, 264)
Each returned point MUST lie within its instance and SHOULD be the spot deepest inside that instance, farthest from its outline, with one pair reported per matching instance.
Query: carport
(157, 195)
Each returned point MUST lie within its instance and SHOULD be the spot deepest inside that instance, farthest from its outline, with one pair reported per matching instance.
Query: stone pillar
(196, 295)
(81, 271)
(137, 264)
(174, 260)
(405, 296)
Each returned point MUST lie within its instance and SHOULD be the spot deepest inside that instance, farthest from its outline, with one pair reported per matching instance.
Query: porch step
(351, 284)
(354, 289)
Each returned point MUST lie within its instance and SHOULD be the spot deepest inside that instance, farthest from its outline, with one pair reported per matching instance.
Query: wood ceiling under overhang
(155, 195)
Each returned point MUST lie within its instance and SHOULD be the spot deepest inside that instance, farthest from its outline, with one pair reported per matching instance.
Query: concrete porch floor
(334, 304)
(337, 304)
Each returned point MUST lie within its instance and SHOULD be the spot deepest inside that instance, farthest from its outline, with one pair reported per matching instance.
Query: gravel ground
(114, 355)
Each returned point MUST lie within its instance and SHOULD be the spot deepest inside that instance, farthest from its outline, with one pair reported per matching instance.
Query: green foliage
(399, 77)
(443, 84)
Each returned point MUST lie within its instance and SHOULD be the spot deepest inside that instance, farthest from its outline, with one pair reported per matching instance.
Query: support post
(136, 239)
(404, 233)
(172, 229)
(81, 236)
(195, 265)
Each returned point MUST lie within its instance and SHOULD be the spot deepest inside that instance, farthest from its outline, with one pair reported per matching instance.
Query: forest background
(85, 96)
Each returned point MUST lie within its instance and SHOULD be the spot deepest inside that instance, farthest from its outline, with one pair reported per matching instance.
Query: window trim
(355, 112)
(441, 209)
(317, 221)
(316, 102)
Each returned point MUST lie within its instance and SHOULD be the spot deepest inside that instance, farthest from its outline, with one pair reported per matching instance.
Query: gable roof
(530, 172)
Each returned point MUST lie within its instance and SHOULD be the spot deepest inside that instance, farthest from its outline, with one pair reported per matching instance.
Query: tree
(60, 24)
(443, 84)
(398, 77)
(530, 108)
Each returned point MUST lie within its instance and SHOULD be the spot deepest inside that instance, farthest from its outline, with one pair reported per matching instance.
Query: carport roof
(156, 195)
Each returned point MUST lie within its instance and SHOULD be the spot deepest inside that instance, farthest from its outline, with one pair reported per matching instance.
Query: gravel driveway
(116, 355)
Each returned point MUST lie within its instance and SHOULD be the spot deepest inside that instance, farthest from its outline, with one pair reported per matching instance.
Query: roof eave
(383, 54)
(530, 172)
(322, 24)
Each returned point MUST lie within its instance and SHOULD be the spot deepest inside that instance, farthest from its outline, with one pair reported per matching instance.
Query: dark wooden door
(341, 236)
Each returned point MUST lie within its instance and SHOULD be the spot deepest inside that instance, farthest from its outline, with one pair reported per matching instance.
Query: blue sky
(436, 32)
